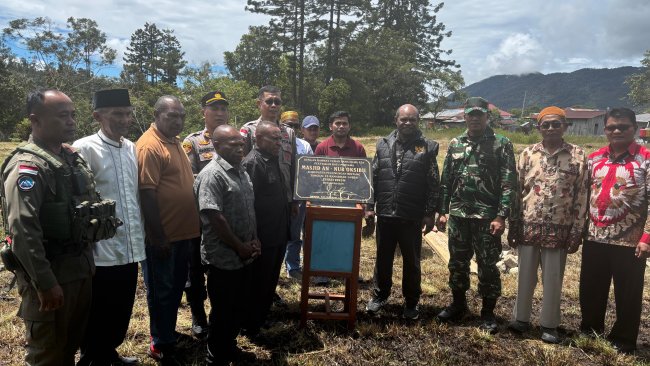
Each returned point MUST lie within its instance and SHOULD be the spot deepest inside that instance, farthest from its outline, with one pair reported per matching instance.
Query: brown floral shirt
(553, 196)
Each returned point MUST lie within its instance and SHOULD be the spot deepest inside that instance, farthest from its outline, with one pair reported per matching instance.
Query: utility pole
(523, 105)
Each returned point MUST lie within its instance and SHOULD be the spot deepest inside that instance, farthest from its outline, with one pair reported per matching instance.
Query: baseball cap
(213, 97)
(476, 104)
(310, 121)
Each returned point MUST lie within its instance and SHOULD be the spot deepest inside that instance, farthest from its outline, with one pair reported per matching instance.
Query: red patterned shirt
(619, 193)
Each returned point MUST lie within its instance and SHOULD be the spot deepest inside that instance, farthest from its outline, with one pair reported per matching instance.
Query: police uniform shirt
(115, 168)
(199, 149)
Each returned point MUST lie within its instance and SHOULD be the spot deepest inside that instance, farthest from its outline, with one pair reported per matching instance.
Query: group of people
(555, 197)
(221, 203)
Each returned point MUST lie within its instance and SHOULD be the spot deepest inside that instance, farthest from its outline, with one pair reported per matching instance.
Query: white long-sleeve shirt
(115, 167)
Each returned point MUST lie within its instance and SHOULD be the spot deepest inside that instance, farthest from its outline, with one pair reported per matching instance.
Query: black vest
(402, 192)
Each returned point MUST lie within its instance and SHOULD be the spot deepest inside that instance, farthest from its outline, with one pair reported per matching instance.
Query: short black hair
(622, 113)
(268, 89)
(35, 99)
(161, 103)
(264, 125)
(339, 114)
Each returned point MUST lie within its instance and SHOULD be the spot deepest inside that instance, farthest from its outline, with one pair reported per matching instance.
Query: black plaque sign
(330, 179)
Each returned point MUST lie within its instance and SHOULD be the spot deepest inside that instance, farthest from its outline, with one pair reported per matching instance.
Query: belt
(57, 248)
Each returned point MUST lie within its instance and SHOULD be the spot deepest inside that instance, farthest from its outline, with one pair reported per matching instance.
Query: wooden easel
(332, 246)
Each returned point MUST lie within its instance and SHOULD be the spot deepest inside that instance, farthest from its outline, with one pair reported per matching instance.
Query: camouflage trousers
(467, 237)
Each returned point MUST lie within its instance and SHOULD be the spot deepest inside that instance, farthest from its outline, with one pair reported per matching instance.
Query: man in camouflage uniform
(48, 191)
(199, 149)
(477, 188)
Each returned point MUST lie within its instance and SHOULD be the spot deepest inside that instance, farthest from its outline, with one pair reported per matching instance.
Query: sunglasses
(271, 101)
(622, 128)
(548, 124)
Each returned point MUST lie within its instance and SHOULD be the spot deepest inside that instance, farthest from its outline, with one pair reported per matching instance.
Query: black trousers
(600, 264)
(266, 273)
(112, 304)
(228, 291)
(195, 290)
(408, 235)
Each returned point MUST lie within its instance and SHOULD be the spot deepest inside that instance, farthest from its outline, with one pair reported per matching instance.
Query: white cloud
(517, 54)
(489, 36)
(120, 46)
(572, 34)
(205, 29)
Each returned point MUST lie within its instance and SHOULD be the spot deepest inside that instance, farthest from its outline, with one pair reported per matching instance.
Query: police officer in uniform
(53, 213)
(198, 145)
(199, 149)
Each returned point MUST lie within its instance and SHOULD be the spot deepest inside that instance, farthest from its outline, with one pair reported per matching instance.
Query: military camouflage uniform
(39, 195)
(287, 151)
(477, 185)
(199, 149)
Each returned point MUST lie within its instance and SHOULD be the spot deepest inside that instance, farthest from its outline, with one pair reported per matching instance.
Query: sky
(489, 37)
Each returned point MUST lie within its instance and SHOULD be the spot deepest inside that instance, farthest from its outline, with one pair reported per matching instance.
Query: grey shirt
(228, 190)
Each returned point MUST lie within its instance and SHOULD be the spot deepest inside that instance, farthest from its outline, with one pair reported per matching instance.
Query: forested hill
(595, 88)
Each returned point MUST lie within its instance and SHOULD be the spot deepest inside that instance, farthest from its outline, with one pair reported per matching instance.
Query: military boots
(488, 319)
(457, 310)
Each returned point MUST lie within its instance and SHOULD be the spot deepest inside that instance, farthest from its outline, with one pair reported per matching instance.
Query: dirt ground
(386, 339)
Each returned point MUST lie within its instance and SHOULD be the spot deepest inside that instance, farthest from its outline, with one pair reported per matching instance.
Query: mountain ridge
(588, 87)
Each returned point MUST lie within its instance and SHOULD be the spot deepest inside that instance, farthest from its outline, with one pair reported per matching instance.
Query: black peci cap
(111, 98)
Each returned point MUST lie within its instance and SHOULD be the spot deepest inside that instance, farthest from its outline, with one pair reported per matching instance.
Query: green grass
(385, 339)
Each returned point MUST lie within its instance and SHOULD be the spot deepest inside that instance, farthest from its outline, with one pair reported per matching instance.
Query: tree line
(365, 56)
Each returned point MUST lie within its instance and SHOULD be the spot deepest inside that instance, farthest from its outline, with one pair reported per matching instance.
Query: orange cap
(288, 115)
(551, 110)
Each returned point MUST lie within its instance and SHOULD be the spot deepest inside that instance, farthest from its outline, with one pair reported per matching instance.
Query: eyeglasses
(548, 124)
(271, 101)
(622, 128)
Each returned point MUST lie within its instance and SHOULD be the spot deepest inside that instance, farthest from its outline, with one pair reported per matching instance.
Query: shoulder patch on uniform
(27, 169)
(243, 131)
(204, 142)
(187, 146)
(26, 183)
(419, 149)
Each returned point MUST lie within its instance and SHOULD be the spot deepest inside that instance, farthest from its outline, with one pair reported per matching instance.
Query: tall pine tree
(153, 55)
(291, 24)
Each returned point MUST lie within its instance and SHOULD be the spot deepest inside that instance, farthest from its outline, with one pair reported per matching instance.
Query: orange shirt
(164, 167)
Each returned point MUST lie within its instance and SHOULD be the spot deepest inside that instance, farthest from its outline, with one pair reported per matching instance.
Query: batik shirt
(478, 178)
(618, 197)
(553, 196)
